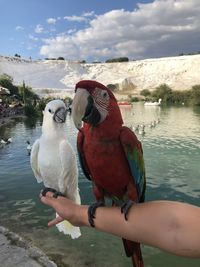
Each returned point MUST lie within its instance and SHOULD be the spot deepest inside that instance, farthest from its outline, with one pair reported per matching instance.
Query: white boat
(153, 103)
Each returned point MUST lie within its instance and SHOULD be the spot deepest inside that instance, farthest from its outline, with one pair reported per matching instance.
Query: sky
(94, 30)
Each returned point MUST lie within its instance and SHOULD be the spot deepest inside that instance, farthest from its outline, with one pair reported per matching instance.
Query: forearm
(170, 226)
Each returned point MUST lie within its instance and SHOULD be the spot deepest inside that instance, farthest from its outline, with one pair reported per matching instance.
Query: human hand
(66, 209)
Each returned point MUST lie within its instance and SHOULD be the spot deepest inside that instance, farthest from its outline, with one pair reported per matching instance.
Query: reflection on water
(172, 156)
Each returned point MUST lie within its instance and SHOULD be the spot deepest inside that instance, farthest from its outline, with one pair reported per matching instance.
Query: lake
(172, 157)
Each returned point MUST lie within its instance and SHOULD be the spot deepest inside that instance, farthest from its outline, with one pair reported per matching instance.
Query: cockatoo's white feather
(53, 161)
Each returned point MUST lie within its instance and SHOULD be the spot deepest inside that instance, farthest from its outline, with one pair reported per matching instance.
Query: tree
(178, 97)
(22, 92)
(195, 95)
(7, 82)
(27, 94)
(118, 59)
(82, 61)
(145, 92)
(164, 92)
(60, 58)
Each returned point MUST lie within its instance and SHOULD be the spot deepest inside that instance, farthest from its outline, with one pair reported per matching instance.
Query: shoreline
(16, 251)
(7, 120)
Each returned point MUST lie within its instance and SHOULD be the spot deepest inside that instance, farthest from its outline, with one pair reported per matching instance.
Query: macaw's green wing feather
(134, 154)
(80, 140)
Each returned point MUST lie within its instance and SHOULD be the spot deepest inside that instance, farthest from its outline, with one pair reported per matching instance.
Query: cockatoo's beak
(60, 115)
(83, 109)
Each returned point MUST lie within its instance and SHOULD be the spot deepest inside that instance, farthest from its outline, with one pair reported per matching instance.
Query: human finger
(55, 221)
(48, 199)
(46, 194)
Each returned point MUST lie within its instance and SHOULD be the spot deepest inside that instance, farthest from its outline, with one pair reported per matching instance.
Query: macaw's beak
(60, 115)
(83, 109)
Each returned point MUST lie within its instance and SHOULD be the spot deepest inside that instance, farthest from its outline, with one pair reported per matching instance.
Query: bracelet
(91, 217)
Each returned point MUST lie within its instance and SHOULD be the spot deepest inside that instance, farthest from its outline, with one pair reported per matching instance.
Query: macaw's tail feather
(133, 250)
(68, 229)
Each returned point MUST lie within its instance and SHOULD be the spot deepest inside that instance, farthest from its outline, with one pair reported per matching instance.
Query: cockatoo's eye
(50, 110)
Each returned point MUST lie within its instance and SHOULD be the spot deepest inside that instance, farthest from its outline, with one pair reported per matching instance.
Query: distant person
(168, 225)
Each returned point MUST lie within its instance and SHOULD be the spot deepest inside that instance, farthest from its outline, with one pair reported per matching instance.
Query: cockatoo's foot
(126, 207)
(55, 193)
(91, 211)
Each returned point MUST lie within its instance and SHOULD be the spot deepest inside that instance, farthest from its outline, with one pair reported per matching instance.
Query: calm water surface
(172, 156)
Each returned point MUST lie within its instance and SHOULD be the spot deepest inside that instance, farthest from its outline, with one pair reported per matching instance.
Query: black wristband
(90, 218)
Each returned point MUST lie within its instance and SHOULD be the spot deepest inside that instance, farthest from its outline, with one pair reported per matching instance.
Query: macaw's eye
(104, 94)
(49, 110)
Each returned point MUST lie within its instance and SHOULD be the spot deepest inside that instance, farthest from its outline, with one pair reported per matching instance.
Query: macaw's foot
(126, 207)
(55, 193)
(91, 211)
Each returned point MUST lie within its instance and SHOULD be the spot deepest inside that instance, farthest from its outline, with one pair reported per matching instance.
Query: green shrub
(178, 97)
(135, 99)
(145, 92)
(30, 110)
(119, 59)
(7, 82)
(195, 95)
(60, 58)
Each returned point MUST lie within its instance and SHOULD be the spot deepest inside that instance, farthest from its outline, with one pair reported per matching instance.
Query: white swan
(153, 103)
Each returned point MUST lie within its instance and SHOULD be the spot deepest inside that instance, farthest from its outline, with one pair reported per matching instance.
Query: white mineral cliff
(180, 73)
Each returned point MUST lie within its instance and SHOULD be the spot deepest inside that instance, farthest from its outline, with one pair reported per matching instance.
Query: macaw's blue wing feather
(134, 154)
(80, 140)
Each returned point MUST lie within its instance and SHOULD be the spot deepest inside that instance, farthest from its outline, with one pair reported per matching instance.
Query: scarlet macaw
(110, 154)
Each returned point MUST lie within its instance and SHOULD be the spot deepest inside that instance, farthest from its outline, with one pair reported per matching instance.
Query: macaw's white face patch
(101, 100)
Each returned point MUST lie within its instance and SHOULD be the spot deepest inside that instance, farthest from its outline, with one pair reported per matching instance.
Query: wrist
(81, 216)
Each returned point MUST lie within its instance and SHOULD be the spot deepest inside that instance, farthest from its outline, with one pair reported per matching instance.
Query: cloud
(59, 44)
(83, 18)
(31, 37)
(89, 14)
(75, 18)
(51, 20)
(39, 29)
(160, 28)
(70, 31)
(19, 28)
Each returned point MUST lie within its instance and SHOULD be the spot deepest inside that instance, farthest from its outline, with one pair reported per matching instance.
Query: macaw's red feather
(111, 156)
(90, 86)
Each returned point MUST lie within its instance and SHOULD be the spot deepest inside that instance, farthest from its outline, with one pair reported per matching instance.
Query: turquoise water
(172, 156)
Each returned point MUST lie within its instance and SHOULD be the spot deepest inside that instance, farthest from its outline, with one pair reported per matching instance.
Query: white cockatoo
(53, 160)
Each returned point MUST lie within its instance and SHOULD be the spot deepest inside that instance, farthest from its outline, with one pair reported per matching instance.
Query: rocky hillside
(179, 73)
